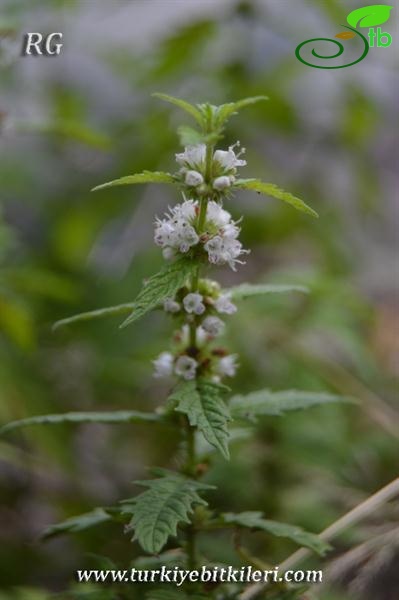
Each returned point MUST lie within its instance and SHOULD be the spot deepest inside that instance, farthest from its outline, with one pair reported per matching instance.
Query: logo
(369, 17)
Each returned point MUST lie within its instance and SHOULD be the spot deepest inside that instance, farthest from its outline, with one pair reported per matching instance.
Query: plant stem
(191, 471)
(191, 455)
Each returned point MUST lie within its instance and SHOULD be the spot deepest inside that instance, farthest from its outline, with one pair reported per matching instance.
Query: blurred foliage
(69, 123)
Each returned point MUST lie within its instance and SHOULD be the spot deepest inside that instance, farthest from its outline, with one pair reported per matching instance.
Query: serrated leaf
(158, 511)
(78, 523)
(186, 106)
(144, 177)
(117, 416)
(268, 403)
(99, 313)
(270, 189)
(255, 520)
(161, 286)
(225, 111)
(247, 290)
(369, 16)
(202, 401)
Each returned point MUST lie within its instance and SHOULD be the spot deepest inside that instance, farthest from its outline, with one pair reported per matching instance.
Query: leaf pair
(210, 118)
(240, 292)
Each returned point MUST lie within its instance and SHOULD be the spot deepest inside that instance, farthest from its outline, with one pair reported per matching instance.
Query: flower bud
(193, 178)
(221, 183)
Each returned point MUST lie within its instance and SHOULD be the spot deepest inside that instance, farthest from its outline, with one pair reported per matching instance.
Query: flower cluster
(187, 367)
(224, 167)
(202, 227)
(177, 232)
(202, 309)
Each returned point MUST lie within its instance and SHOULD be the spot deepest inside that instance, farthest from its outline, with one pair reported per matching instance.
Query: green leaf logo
(369, 16)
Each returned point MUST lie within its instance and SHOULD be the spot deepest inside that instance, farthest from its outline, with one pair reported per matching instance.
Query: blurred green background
(70, 122)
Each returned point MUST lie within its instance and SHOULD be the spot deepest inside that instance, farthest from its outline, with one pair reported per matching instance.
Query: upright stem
(190, 433)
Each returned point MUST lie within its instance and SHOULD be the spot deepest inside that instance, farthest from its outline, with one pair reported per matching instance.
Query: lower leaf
(255, 520)
(157, 512)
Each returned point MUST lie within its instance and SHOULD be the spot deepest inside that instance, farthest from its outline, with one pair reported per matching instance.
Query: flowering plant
(195, 234)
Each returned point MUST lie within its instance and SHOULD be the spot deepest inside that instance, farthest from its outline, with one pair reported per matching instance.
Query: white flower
(227, 365)
(170, 305)
(185, 210)
(214, 245)
(193, 303)
(193, 156)
(213, 325)
(224, 305)
(163, 365)
(224, 251)
(175, 231)
(193, 178)
(217, 215)
(228, 159)
(221, 183)
(163, 232)
(186, 367)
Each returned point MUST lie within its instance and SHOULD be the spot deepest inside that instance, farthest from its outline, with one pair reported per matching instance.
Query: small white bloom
(230, 231)
(163, 365)
(217, 215)
(224, 305)
(221, 183)
(227, 365)
(192, 157)
(214, 245)
(193, 303)
(170, 305)
(186, 367)
(163, 232)
(193, 178)
(228, 159)
(185, 210)
(213, 325)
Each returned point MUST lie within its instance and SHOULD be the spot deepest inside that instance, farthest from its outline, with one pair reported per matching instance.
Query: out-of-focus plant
(194, 235)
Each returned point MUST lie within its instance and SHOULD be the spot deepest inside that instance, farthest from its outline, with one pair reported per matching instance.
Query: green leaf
(144, 177)
(202, 401)
(247, 290)
(270, 189)
(266, 402)
(117, 416)
(255, 520)
(369, 16)
(225, 111)
(78, 523)
(110, 311)
(161, 286)
(189, 108)
(157, 512)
